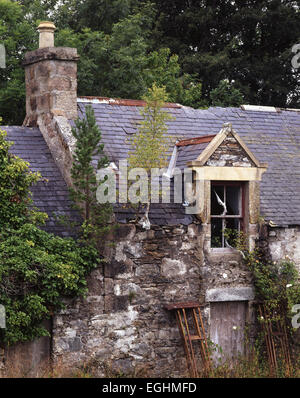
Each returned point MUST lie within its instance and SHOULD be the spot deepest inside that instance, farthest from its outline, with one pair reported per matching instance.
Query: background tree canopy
(213, 52)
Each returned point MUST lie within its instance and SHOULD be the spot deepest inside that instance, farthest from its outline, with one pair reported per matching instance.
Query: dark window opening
(226, 213)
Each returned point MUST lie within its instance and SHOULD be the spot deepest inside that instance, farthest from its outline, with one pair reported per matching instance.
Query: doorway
(227, 329)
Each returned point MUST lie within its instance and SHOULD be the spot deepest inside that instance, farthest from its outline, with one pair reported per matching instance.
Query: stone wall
(123, 322)
(285, 242)
(229, 153)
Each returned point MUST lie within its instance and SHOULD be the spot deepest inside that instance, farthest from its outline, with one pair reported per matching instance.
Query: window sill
(223, 250)
(223, 253)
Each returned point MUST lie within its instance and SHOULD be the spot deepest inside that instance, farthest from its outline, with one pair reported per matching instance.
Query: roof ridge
(121, 101)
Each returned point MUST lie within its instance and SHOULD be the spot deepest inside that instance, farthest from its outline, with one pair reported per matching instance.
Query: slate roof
(189, 152)
(273, 137)
(51, 197)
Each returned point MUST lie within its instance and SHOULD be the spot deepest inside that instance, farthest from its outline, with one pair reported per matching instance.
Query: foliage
(96, 216)
(115, 60)
(37, 269)
(276, 283)
(150, 145)
(250, 366)
(235, 40)
(95, 14)
(120, 64)
(15, 182)
(189, 47)
(225, 95)
(16, 34)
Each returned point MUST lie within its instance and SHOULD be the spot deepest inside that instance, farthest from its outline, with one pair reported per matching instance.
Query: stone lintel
(230, 294)
(216, 173)
(51, 53)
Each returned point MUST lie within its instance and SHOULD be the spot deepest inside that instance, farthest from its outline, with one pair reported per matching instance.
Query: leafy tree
(37, 269)
(245, 41)
(17, 35)
(96, 216)
(150, 145)
(39, 10)
(116, 61)
(226, 95)
(164, 69)
(98, 15)
(187, 46)
(120, 64)
(15, 181)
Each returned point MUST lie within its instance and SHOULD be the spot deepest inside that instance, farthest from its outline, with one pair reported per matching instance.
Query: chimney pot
(46, 30)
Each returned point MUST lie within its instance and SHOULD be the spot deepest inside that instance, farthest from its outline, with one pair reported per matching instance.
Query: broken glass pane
(231, 234)
(216, 232)
(233, 200)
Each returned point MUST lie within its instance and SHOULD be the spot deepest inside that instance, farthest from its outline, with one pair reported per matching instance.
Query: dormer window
(225, 188)
(227, 213)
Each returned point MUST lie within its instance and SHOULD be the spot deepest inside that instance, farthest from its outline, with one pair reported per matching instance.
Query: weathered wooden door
(227, 328)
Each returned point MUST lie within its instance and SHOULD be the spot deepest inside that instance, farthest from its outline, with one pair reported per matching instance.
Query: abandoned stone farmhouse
(246, 160)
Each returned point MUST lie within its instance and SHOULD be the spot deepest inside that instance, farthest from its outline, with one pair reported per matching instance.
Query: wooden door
(227, 328)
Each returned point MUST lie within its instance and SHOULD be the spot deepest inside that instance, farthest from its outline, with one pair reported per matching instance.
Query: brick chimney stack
(51, 93)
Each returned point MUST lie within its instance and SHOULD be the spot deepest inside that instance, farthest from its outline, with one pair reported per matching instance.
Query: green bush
(37, 269)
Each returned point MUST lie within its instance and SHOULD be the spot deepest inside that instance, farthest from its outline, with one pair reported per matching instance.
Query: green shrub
(37, 269)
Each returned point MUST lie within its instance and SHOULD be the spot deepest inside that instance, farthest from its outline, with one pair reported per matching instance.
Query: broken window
(226, 213)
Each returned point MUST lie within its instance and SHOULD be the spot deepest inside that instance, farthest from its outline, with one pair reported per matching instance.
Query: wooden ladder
(185, 311)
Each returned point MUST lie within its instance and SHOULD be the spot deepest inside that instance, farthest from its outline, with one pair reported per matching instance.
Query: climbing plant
(276, 283)
(277, 291)
(37, 269)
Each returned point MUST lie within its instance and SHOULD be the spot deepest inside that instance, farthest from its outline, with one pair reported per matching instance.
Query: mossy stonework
(123, 320)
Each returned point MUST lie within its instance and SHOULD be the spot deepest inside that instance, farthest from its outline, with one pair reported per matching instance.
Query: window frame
(240, 217)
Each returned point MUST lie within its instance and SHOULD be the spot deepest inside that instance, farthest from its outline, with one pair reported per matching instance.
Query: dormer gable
(226, 149)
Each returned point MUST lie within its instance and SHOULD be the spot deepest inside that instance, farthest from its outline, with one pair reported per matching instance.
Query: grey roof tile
(51, 197)
(273, 137)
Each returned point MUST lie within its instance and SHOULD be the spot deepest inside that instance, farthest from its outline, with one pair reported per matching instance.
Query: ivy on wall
(37, 269)
(276, 283)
